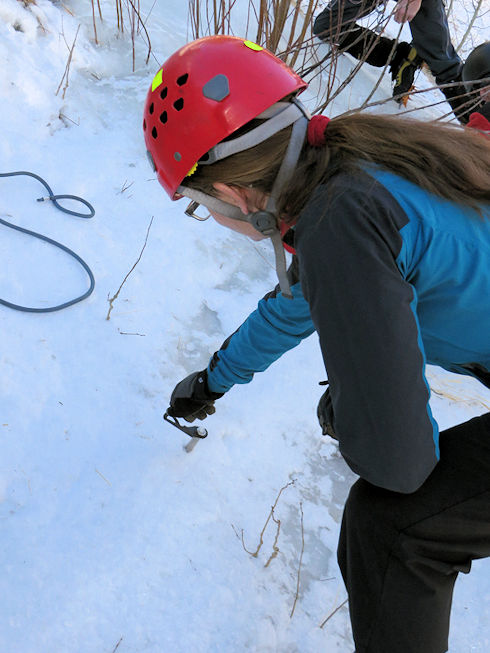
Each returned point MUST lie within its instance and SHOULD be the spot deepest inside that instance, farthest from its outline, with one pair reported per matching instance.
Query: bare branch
(300, 561)
(113, 299)
(117, 646)
(275, 548)
(334, 612)
(67, 68)
(476, 13)
(255, 553)
(94, 24)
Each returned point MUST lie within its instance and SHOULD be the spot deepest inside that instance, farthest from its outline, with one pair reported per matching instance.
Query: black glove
(324, 413)
(192, 398)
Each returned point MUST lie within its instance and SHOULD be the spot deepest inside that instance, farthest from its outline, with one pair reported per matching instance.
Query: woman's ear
(233, 195)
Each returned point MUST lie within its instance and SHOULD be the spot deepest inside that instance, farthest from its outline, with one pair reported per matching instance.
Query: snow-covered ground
(112, 536)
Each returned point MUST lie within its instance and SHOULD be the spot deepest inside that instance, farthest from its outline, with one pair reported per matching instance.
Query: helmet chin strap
(266, 222)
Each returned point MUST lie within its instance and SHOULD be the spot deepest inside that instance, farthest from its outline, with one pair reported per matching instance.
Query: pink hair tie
(316, 130)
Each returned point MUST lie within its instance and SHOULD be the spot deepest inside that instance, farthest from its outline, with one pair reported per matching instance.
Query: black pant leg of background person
(339, 16)
(400, 554)
(337, 24)
(432, 40)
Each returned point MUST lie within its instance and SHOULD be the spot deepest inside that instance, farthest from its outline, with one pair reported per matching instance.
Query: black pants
(429, 28)
(400, 554)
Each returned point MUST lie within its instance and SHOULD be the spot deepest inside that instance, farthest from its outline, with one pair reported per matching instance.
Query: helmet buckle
(264, 222)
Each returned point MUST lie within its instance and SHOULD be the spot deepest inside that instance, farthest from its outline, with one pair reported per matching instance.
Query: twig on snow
(113, 299)
(255, 553)
(275, 548)
(300, 561)
(332, 613)
(117, 646)
(103, 477)
(67, 67)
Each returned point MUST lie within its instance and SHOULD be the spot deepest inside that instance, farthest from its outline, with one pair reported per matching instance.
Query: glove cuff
(201, 388)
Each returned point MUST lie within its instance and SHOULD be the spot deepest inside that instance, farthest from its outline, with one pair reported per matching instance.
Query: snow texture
(112, 536)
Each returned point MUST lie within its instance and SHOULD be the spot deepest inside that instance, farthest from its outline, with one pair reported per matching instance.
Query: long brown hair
(444, 159)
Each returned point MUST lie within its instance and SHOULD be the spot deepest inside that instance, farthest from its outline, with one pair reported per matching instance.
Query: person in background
(390, 222)
(431, 43)
(476, 69)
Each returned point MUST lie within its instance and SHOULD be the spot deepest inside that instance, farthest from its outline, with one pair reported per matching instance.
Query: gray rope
(54, 199)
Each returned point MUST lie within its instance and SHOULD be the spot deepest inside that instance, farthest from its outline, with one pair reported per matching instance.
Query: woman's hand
(192, 399)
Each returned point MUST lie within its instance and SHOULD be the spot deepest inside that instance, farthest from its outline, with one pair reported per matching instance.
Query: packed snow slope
(113, 537)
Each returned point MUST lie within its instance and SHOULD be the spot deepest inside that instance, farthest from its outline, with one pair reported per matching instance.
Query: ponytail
(444, 159)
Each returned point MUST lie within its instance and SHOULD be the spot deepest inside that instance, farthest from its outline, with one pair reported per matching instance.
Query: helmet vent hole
(182, 79)
(163, 93)
(179, 104)
(154, 132)
(144, 125)
(151, 109)
(163, 117)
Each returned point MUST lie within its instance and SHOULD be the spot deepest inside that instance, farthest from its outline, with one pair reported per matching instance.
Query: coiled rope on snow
(53, 198)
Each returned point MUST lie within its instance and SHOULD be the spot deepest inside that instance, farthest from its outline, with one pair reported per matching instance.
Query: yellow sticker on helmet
(192, 170)
(157, 80)
(253, 46)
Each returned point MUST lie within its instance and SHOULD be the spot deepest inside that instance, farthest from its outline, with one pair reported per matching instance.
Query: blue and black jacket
(391, 277)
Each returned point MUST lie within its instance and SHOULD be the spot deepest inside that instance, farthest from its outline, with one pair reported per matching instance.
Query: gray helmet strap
(278, 117)
(212, 203)
(264, 221)
(286, 171)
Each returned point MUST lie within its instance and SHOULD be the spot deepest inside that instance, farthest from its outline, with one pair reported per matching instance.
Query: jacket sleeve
(277, 325)
(365, 313)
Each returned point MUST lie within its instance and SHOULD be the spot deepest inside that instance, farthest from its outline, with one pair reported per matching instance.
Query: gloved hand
(324, 413)
(192, 398)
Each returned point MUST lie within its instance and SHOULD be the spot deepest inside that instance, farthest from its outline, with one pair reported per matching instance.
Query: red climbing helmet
(204, 92)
